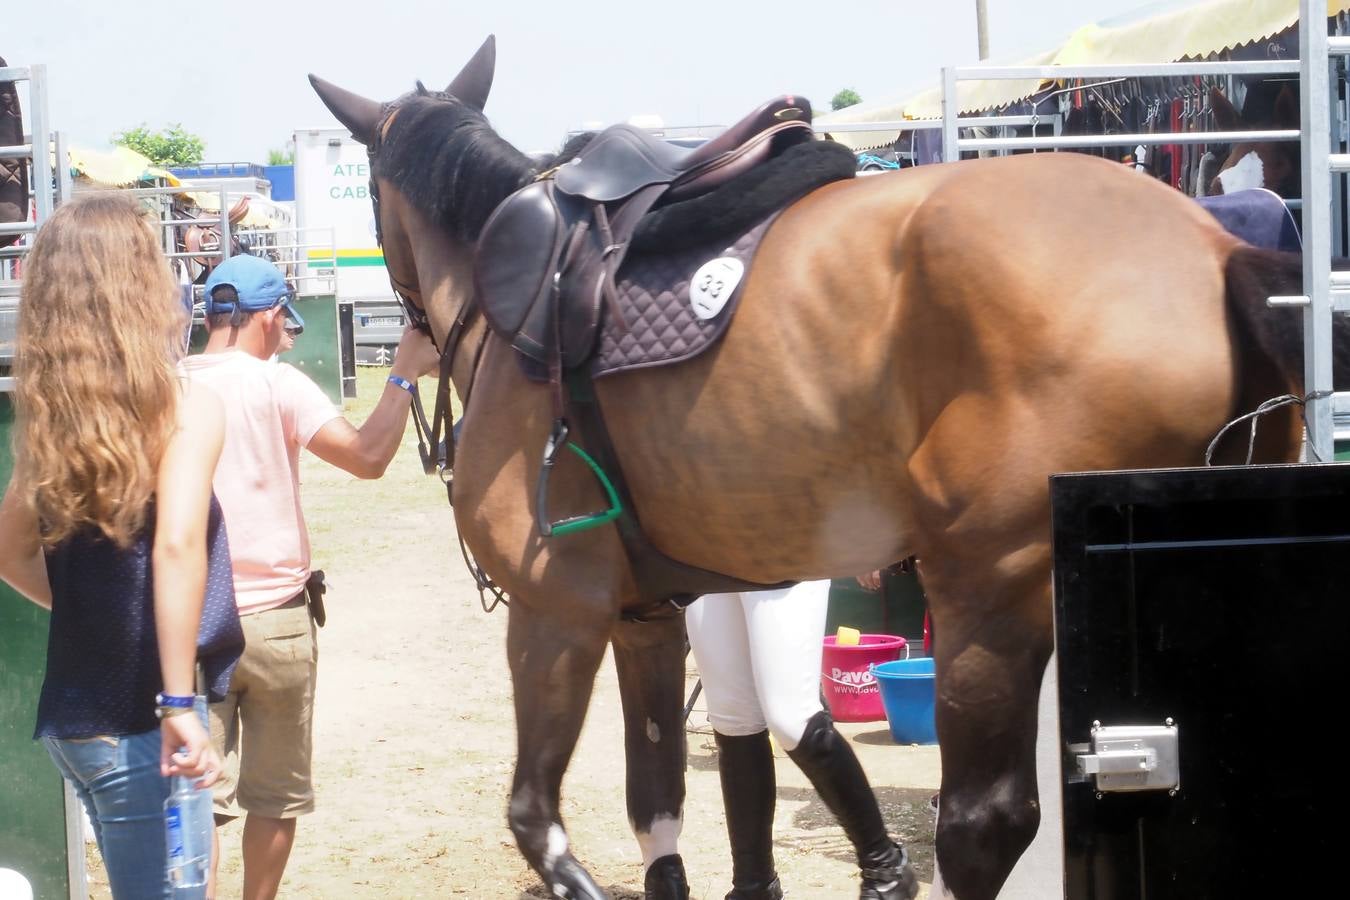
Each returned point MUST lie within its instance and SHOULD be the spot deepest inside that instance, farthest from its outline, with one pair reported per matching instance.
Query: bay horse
(903, 389)
(13, 172)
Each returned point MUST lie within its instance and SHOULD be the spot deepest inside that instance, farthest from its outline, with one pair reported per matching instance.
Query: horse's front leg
(991, 656)
(554, 654)
(649, 658)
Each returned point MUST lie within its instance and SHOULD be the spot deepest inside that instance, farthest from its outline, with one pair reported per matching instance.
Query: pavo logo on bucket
(862, 682)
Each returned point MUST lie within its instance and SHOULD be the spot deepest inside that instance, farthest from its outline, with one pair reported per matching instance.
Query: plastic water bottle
(187, 832)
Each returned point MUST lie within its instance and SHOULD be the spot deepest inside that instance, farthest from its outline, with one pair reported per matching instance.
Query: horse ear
(1225, 116)
(472, 84)
(1288, 113)
(359, 114)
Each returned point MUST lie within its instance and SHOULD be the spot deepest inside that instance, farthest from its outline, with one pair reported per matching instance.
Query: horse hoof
(571, 882)
(895, 881)
(666, 880)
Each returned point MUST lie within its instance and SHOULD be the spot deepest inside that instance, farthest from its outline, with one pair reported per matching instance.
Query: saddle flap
(514, 263)
(619, 162)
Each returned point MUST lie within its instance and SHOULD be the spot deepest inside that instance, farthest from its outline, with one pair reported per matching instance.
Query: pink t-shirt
(271, 411)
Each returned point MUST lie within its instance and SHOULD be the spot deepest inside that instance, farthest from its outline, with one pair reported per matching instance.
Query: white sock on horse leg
(662, 840)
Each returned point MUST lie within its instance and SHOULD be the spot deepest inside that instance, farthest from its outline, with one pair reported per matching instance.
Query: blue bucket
(908, 694)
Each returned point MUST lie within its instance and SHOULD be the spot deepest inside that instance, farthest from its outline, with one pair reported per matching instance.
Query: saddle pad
(1259, 217)
(654, 296)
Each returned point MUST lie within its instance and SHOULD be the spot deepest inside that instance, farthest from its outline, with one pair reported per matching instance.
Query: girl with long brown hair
(110, 523)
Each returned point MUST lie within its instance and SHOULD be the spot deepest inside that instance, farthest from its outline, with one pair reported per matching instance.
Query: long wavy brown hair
(100, 332)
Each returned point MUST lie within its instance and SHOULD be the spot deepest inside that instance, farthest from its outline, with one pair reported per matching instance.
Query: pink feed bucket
(846, 675)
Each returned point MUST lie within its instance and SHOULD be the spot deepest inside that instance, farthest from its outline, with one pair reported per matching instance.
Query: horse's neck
(467, 358)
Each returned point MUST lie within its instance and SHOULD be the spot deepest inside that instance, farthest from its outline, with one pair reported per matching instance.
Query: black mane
(444, 157)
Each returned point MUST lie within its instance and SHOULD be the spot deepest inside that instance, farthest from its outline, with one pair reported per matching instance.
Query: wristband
(168, 706)
(403, 383)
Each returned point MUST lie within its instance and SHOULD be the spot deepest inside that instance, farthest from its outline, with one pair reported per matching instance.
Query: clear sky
(235, 73)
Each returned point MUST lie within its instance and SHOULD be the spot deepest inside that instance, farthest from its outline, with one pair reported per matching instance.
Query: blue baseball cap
(253, 283)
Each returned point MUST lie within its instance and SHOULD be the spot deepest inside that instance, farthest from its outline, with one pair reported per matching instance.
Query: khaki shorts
(269, 715)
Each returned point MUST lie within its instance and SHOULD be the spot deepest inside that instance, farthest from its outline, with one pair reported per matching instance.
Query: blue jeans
(117, 779)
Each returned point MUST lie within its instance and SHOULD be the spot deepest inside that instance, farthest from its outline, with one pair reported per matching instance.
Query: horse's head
(437, 171)
(1268, 164)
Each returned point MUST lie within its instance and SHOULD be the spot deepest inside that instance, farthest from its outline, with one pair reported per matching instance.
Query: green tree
(846, 97)
(172, 146)
(280, 157)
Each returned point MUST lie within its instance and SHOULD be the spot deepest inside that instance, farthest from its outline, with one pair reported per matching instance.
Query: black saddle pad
(677, 304)
(707, 240)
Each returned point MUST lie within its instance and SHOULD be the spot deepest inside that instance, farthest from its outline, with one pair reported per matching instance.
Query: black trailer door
(1216, 599)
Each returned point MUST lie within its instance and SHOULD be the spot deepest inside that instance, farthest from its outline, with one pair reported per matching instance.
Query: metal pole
(65, 188)
(1316, 101)
(224, 227)
(951, 109)
(42, 154)
(1128, 70)
(982, 26)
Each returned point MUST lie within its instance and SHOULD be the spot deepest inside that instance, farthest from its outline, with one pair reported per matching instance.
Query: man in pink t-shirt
(271, 411)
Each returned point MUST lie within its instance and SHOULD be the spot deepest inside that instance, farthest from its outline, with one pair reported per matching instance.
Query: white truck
(332, 190)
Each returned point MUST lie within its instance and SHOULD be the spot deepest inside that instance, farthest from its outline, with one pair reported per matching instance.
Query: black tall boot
(829, 762)
(749, 793)
(666, 880)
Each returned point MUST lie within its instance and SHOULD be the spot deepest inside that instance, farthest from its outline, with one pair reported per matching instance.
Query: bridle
(435, 440)
(435, 444)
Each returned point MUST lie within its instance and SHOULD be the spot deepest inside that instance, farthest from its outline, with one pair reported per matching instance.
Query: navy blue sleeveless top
(102, 653)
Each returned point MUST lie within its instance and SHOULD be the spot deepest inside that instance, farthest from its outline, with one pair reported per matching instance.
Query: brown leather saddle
(547, 258)
(206, 241)
(545, 268)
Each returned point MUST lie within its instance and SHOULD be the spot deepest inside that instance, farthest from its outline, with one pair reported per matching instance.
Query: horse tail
(1252, 276)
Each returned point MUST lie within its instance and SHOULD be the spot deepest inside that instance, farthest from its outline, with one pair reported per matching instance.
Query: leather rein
(435, 438)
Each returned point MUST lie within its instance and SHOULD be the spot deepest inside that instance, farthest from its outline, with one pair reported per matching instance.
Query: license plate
(382, 320)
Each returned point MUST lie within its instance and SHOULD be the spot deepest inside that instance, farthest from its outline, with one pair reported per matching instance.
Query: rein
(435, 438)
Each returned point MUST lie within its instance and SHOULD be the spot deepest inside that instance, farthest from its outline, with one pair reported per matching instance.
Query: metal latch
(1130, 758)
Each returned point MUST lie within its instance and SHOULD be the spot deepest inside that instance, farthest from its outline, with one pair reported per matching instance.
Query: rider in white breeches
(758, 655)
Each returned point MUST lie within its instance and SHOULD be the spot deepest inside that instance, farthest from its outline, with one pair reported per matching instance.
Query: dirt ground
(414, 735)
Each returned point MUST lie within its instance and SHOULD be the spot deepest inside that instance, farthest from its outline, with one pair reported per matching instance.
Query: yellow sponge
(847, 637)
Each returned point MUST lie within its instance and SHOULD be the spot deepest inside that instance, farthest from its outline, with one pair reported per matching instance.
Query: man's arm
(366, 451)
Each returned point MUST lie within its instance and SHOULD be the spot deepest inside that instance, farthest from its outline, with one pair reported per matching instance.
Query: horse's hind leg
(553, 658)
(992, 639)
(649, 657)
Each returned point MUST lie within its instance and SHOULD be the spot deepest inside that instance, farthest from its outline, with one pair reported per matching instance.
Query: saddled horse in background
(204, 239)
(1274, 165)
(901, 389)
(13, 172)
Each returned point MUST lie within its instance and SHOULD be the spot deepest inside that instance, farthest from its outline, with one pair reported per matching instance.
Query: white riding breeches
(758, 653)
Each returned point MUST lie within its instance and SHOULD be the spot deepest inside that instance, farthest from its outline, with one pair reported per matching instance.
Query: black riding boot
(666, 879)
(829, 762)
(745, 765)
